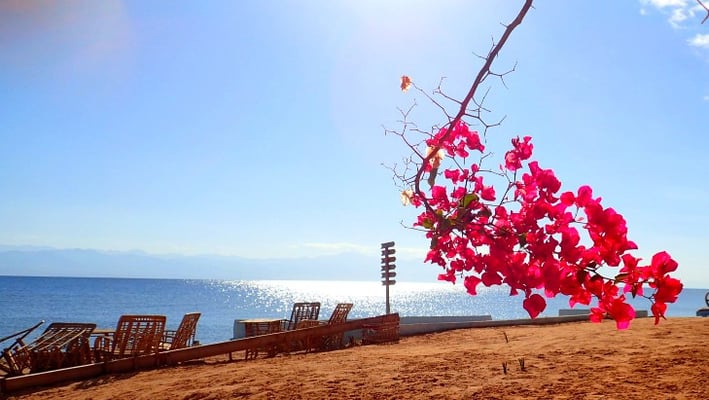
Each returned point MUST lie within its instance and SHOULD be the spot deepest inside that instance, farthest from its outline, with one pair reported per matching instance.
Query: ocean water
(24, 301)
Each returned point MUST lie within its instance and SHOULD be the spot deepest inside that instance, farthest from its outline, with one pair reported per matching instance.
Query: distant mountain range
(39, 261)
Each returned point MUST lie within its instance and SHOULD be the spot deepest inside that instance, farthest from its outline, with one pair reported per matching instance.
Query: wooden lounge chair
(134, 335)
(61, 345)
(258, 327)
(300, 312)
(10, 358)
(183, 336)
(339, 316)
(330, 342)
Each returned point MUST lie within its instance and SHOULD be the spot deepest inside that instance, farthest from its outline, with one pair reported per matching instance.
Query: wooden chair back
(137, 335)
(62, 344)
(339, 314)
(185, 333)
(15, 358)
(60, 334)
(302, 311)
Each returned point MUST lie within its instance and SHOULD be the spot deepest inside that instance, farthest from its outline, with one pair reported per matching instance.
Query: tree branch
(484, 72)
(707, 10)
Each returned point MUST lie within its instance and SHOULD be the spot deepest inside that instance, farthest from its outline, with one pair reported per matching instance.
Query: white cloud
(681, 13)
(684, 15)
(667, 3)
(699, 40)
(706, 98)
(678, 16)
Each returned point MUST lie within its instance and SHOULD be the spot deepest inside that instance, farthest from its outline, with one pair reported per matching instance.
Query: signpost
(387, 269)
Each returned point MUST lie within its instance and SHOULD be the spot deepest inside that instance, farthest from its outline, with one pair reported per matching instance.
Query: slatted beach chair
(339, 316)
(135, 335)
(258, 327)
(329, 342)
(183, 336)
(61, 345)
(302, 311)
(12, 360)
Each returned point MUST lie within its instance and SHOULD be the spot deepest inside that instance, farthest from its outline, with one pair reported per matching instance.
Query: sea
(24, 301)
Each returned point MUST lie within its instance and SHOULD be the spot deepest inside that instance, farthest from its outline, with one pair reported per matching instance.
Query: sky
(256, 128)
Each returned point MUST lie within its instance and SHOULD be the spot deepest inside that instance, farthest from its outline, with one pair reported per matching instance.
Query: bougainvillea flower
(658, 311)
(621, 312)
(668, 289)
(662, 263)
(471, 282)
(528, 237)
(534, 305)
(406, 196)
(597, 314)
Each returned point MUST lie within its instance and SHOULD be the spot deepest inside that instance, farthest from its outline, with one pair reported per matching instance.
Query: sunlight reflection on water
(275, 298)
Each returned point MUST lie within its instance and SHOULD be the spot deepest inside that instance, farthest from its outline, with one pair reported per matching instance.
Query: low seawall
(587, 312)
(420, 325)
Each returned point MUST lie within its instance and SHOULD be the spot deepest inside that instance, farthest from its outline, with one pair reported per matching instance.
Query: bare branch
(705, 8)
(431, 99)
(482, 74)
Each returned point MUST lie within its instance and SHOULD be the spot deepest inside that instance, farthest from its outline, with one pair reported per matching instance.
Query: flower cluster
(531, 237)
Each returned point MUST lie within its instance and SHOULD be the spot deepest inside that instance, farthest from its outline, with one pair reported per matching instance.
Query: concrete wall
(586, 311)
(439, 319)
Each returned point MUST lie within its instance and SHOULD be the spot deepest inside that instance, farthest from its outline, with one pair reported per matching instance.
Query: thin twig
(707, 10)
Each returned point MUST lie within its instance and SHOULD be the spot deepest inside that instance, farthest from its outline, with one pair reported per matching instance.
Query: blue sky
(255, 128)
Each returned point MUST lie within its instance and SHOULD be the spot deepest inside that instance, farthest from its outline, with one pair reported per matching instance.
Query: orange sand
(567, 361)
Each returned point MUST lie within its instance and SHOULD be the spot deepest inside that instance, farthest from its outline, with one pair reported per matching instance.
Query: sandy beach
(566, 361)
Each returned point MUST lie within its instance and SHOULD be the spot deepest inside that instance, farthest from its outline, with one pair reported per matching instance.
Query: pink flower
(471, 282)
(534, 305)
(621, 312)
(488, 193)
(530, 238)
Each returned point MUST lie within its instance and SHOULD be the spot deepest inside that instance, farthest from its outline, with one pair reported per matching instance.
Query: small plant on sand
(511, 224)
(520, 360)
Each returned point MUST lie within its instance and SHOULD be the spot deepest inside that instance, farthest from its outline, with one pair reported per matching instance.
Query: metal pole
(388, 308)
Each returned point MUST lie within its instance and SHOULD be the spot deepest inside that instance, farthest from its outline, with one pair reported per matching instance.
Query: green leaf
(469, 198)
(427, 223)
